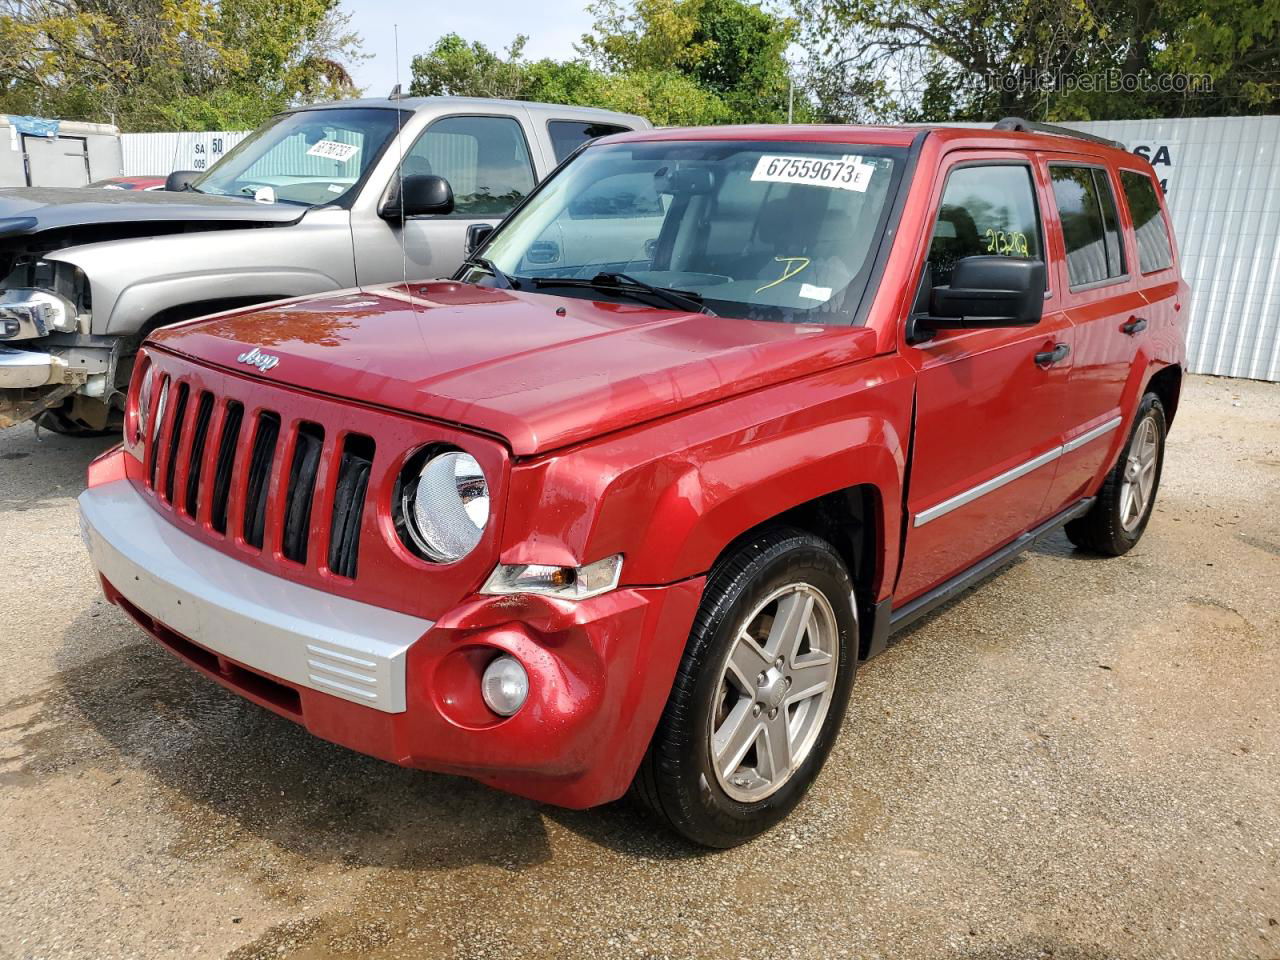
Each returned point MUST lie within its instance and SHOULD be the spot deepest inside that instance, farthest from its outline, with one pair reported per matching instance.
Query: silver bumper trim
(304, 636)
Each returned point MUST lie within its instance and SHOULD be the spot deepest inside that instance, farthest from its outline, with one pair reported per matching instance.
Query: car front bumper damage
(400, 687)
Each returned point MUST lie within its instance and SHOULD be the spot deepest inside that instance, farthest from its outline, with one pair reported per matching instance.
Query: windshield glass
(769, 231)
(311, 157)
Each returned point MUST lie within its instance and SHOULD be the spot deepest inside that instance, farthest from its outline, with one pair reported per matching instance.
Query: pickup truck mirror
(477, 234)
(419, 195)
(989, 291)
(181, 180)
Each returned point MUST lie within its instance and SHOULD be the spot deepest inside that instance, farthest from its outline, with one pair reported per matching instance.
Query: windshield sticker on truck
(847, 173)
(333, 150)
(809, 292)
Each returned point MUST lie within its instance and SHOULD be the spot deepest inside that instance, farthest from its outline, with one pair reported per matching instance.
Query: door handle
(1047, 358)
(1135, 326)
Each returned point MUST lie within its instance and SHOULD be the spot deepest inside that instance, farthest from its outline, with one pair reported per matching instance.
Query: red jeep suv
(694, 430)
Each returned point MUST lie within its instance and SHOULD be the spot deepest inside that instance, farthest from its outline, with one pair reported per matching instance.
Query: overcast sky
(553, 26)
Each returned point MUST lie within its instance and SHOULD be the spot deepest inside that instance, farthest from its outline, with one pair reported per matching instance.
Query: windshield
(769, 231)
(311, 157)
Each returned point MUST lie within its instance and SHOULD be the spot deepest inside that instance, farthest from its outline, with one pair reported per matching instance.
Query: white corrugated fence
(1222, 183)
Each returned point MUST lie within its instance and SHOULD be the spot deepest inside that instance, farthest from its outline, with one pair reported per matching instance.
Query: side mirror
(181, 180)
(477, 234)
(988, 291)
(419, 195)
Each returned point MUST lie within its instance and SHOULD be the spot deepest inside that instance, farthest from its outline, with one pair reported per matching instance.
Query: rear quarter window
(1155, 252)
(1090, 228)
(568, 135)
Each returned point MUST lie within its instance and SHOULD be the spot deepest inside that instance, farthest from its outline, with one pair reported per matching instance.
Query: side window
(485, 160)
(1154, 250)
(1090, 227)
(984, 211)
(568, 135)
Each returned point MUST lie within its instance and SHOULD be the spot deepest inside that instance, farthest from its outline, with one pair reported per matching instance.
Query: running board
(889, 622)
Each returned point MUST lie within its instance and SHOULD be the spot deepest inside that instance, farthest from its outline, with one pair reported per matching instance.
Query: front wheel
(1120, 514)
(760, 694)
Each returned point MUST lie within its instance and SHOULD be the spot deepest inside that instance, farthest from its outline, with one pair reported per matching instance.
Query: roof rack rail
(1019, 125)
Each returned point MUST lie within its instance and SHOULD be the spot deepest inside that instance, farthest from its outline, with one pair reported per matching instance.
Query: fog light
(505, 686)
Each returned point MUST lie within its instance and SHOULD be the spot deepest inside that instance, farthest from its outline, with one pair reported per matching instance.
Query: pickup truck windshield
(311, 157)
(782, 231)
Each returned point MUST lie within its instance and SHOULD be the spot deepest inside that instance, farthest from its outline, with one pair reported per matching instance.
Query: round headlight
(446, 506)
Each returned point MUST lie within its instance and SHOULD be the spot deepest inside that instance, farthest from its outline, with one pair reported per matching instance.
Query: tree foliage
(1044, 59)
(171, 64)
(674, 61)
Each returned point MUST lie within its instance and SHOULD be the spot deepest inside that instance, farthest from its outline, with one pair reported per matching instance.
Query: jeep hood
(540, 371)
(25, 210)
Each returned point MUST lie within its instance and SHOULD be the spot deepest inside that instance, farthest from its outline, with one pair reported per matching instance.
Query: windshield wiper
(484, 263)
(625, 283)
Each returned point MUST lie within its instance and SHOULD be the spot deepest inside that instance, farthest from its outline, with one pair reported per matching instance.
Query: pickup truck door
(989, 403)
(487, 160)
(1107, 310)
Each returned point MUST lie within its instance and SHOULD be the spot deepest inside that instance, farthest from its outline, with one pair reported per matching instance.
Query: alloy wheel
(774, 692)
(1139, 474)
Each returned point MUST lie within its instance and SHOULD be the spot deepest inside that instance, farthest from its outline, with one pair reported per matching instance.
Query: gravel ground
(1080, 759)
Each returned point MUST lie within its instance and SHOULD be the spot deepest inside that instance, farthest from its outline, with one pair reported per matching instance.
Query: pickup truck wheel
(1120, 514)
(760, 694)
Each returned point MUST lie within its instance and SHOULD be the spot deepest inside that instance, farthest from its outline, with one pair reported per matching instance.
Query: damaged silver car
(320, 198)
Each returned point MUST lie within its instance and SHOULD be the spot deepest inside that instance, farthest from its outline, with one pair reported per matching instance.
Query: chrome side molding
(1021, 470)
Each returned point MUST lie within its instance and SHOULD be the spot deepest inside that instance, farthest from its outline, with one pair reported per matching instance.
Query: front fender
(134, 279)
(672, 495)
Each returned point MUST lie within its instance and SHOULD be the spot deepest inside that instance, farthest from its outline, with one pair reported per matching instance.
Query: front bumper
(399, 687)
(24, 369)
(293, 633)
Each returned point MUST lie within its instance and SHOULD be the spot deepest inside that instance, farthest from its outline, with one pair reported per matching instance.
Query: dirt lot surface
(1079, 759)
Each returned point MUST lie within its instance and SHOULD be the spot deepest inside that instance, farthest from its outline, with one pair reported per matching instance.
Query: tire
(1115, 522)
(781, 577)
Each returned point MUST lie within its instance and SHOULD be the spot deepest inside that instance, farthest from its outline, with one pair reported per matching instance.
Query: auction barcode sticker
(333, 150)
(846, 173)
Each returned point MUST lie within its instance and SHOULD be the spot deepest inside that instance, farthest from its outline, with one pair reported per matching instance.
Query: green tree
(1049, 59)
(734, 49)
(453, 67)
(171, 64)
(665, 96)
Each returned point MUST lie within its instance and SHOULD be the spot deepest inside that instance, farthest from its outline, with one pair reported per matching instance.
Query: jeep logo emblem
(256, 358)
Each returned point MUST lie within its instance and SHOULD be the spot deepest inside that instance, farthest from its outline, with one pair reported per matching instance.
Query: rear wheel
(760, 694)
(1120, 514)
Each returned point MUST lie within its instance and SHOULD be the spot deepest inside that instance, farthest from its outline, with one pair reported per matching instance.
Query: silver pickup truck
(320, 198)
